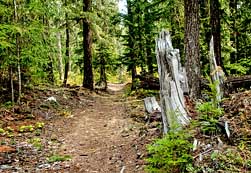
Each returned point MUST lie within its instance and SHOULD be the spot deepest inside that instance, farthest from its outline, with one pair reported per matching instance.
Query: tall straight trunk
(205, 13)
(18, 69)
(18, 54)
(149, 59)
(87, 43)
(131, 46)
(50, 70)
(140, 39)
(192, 49)
(60, 59)
(46, 36)
(59, 46)
(11, 84)
(67, 46)
(103, 80)
(134, 74)
(148, 40)
(216, 31)
(49, 67)
(234, 38)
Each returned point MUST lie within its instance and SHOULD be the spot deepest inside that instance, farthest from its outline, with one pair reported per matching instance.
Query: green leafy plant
(8, 104)
(39, 125)
(210, 112)
(58, 158)
(9, 134)
(2, 131)
(231, 160)
(36, 142)
(38, 132)
(3, 142)
(29, 128)
(208, 117)
(170, 154)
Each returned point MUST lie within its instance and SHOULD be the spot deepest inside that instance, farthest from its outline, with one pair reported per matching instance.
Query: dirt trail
(102, 138)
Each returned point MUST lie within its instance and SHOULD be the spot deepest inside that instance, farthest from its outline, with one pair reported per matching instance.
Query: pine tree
(192, 50)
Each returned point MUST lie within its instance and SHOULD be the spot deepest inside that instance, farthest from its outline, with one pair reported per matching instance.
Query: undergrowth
(209, 112)
(170, 154)
(173, 153)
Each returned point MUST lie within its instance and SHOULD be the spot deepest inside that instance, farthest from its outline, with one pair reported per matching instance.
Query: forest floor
(83, 131)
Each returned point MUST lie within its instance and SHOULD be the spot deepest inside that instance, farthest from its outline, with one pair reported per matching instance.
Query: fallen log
(232, 83)
(148, 82)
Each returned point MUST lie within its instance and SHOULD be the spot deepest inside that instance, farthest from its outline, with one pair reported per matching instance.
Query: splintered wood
(216, 72)
(173, 83)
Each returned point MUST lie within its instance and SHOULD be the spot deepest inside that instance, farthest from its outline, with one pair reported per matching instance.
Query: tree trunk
(217, 75)
(103, 81)
(216, 31)
(131, 47)
(134, 74)
(18, 55)
(18, 69)
(173, 84)
(148, 39)
(87, 43)
(46, 37)
(60, 59)
(149, 60)
(11, 84)
(59, 46)
(67, 46)
(234, 38)
(140, 41)
(50, 70)
(192, 50)
(205, 14)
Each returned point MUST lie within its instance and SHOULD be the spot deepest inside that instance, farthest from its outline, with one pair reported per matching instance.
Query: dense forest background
(76, 79)
(92, 42)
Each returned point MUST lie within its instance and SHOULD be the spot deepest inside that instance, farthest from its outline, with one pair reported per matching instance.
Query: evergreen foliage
(119, 40)
(170, 154)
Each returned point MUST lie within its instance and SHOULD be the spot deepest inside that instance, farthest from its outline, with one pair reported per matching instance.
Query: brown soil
(102, 132)
(103, 138)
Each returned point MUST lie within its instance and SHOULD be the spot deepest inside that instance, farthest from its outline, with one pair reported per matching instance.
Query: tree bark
(149, 60)
(18, 55)
(11, 84)
(148, 29)
(131, 46)
(234, 38)
(60, 59)
(67, 46)
(103, 80)
(173, 83)
(205, 14)
(192, 50)
(50, 70)
(46, 36)
(87, 43)
(216, 31)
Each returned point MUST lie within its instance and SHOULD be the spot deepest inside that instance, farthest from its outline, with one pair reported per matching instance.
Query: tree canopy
(42, 40)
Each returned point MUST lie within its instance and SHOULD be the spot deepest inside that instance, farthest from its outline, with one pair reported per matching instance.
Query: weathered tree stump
(173, 83)
(152, 108)
(216, 73)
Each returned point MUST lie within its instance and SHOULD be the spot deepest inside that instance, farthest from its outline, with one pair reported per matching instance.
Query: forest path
(102, 138)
